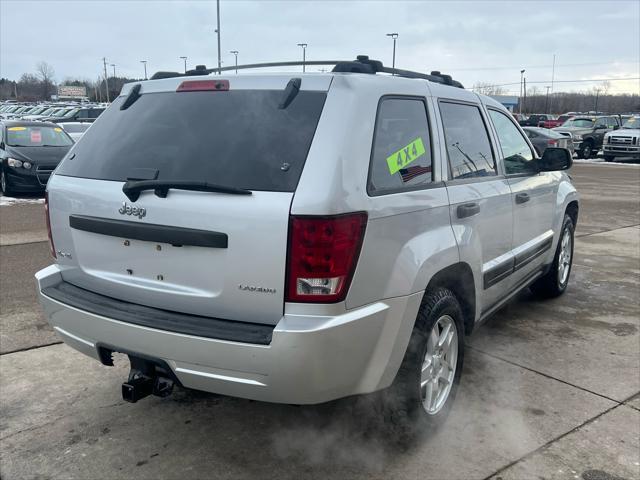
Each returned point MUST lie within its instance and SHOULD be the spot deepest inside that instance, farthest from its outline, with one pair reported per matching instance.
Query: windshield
(37, 136)
(60, 113)
(633, 122)
(579, 123)
(236, 138)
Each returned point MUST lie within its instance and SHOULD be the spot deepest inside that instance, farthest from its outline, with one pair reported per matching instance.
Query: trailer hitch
(146, 378)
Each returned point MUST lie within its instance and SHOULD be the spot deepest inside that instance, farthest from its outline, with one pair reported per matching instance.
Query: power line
(453, 69)
(561, 81)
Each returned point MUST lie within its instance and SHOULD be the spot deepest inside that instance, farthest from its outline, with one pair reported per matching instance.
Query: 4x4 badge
(125, 209)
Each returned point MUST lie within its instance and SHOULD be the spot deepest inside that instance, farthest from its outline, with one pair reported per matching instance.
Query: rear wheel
(424, 389)
(555, 281)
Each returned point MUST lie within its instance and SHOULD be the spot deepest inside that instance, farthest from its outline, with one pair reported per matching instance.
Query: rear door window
(401, 156)
(232, 138)
(468, 146)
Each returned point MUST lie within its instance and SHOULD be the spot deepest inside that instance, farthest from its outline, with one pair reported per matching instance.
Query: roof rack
(362, 64)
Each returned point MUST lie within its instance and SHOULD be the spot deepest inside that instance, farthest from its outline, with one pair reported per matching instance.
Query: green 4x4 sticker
(403, 157)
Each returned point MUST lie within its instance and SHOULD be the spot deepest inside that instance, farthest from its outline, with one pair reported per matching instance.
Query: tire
(554, 282)
(405, 401)
(609, 158)
(4, 185)
(586, 151)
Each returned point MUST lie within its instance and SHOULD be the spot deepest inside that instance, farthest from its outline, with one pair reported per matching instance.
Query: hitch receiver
(146, 378)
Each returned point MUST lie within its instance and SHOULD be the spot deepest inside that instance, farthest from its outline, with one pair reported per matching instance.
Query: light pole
(185, 63)
(218, 32)
(235, 52)
(520, 99)
(114, 69)
(106, 79)
(144, 62)
(304, 56)
(393, 62)
(546, 109)
(597, 95)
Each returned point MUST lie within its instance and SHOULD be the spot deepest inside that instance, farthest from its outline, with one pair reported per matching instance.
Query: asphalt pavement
(551, 389)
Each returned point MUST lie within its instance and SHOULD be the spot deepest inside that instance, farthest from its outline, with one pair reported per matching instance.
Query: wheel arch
(459, 279)
(572, 210)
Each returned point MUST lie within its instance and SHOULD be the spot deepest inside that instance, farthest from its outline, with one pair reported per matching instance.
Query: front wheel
(4, 184)
(424, 389)
(586, 151)
(555, 281)
(609, 158)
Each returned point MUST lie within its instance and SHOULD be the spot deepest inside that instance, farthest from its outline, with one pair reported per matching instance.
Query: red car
(554, 123)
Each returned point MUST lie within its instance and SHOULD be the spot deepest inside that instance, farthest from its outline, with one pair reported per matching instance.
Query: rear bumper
(311, 358)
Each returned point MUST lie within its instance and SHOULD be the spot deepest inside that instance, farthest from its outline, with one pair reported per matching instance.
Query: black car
(535, 120)
(29, 152)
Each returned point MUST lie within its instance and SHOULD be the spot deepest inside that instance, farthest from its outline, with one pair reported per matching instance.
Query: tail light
(552, 143)
(204, 86)
(46, 216)
(323, 252)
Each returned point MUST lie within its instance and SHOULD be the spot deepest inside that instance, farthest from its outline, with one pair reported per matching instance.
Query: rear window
(232, 138)
(36, 136)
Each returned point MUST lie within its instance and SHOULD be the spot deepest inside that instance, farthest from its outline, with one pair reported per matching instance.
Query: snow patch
(8, 201)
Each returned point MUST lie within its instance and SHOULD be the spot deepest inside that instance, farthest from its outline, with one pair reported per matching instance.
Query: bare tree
(45, 73)
(488, 89)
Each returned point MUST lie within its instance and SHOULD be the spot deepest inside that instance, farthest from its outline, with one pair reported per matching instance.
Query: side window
(467, 140)
(401, 157)
(83, 114)
(530, 133)
(613, 122)
(515, 149)
(601, 122)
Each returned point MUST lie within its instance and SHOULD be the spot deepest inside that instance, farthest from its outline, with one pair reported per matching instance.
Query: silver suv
(300, 238)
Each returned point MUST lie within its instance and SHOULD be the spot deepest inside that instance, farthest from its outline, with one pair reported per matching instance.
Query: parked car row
(51, 112)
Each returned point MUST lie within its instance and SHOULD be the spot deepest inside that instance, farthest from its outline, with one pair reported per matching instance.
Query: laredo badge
(403, 157)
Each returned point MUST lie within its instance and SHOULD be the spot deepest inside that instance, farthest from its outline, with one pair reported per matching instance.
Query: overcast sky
(474, 40)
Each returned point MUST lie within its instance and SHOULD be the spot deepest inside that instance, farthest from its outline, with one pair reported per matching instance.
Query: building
(509, 101)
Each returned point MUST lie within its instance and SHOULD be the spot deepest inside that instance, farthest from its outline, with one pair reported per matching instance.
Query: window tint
(401, 157)
(467, 141)
(515, 149)
(238, 138)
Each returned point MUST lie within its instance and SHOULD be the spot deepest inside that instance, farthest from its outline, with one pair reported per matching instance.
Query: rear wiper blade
(161, 188)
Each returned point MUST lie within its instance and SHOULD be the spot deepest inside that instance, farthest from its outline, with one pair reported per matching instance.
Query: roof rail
(362, 64)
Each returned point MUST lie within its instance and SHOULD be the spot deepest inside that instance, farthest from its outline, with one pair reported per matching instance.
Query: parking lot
(551, 389)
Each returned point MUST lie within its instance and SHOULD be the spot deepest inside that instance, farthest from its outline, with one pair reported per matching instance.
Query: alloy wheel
(439, 365)
(564, 260)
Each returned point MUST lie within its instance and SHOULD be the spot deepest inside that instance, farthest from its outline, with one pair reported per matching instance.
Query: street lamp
(520, 99)
(185, 63)
(394, 36)
(144, 62)
(546, 103)
(114, 69)
(235, 52)
(304, 57)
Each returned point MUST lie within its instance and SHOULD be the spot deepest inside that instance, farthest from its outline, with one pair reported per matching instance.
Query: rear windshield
(232, 138)
(36, 136)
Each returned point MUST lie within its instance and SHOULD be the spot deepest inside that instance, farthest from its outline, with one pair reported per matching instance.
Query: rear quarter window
(401, 156)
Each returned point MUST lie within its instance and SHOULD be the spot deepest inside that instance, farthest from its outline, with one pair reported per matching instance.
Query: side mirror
(555, 159)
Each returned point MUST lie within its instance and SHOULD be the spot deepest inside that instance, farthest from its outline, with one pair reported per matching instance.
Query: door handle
(468, 210)
(522, 198)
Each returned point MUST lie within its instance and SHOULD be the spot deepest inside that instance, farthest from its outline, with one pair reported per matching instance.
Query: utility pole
(15, 89)
(218, 32)
(546, 109)
(304, 57)
(596, 106)
(144, 62)
(114, 70)
(106, 80)
(524, 101)
(235, 52)
(185, 63)
(553, 74)
(520, 99)
(393, 62)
